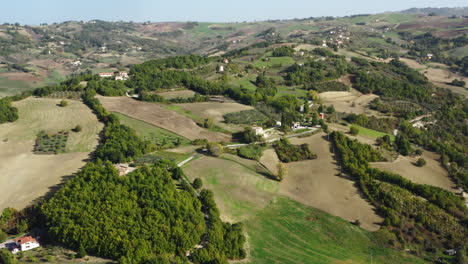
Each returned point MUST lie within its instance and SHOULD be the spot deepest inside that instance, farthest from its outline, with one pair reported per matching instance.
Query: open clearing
(176, 94)
(289, 232)
(344, 101)
(239, 190)
(24, 176)
(216, 111)
(317, 183)
(432, 173)
(36, 114)
(440, 77)
(160, 117)
(281, 230)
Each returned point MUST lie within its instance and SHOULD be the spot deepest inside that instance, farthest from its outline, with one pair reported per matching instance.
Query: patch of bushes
(284, 51)
(50, 143)
(8, 113)
(329, 86)
(248, 117)
(457, 82)
(253, 152)
(288, 152)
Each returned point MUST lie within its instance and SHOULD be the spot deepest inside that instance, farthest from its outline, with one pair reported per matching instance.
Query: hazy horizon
(55, 11)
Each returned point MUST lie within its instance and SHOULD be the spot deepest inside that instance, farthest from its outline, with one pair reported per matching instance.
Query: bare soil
(432, 173)
(318, 183)
(176, 94)
(349, 102)
(160, 117)
(216, 112)
(24, 176)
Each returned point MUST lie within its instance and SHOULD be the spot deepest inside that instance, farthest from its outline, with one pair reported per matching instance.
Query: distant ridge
(443, 11)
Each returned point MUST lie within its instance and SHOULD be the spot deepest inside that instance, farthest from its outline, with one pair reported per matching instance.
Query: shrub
(354, 130)
(197, 183)
(253, 152)
(77, 128)
(457, 82)
(3, 236)
(421, 162)
(81, 252)
(6, 257)
(63, 103)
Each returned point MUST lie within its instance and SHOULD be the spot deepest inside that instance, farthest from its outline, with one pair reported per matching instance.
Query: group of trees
(316, 71)
(385, 125)
(396, 198)
(135, 218)
(288, 152)
(283, 51)
(8, 113)
(222, 241)
(393, 80)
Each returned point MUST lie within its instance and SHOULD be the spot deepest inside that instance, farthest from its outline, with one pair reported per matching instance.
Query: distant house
(121, 75)
(321, 116)
(450, 252)
(124, 168)
(278, 123)
(76, 63)
(258, 131)
(430, 55)
(106, 74)
(23, 244)
(221, 68)
(225, 61)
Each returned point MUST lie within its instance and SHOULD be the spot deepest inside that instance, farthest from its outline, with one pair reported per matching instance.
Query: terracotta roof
(25, 239)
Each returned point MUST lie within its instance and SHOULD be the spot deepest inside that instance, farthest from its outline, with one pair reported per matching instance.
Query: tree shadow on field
(53, 189)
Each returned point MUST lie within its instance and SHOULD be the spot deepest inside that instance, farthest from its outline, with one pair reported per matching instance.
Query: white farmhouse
(24, 243)
(258, 131)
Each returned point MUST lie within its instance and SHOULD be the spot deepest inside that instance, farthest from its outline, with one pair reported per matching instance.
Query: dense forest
(135, 218)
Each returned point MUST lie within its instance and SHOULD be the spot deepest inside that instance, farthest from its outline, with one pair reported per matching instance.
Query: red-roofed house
(24, 243)
(106, 74)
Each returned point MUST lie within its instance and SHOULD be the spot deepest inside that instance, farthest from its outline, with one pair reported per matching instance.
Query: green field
(289, 232)
(280, 230)
(246, 82)
(12, 87)
(284, 61)
(372, 133)
(158, 136)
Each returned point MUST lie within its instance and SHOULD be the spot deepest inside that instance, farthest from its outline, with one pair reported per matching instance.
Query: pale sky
(49, 11)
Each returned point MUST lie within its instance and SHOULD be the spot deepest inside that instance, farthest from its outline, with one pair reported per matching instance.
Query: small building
(278, 123)
(258, 131)
(121, 75)
(225, 61)
(124, 168)
(23, 244)
(322, 116)
(295, 125)
(221, 68)
(450, 252)
(106, 74)
(76, 63)
(430, 55)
